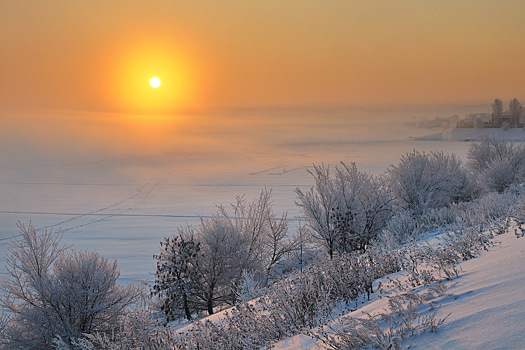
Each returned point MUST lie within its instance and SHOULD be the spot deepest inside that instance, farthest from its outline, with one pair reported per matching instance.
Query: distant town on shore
(512, 117)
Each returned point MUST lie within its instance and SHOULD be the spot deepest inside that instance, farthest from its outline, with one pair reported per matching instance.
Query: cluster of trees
(346, 210)
(202, 268)
(515, 111)
(53, 296)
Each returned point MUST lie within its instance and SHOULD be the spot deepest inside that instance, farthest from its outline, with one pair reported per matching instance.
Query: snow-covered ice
(111, 185)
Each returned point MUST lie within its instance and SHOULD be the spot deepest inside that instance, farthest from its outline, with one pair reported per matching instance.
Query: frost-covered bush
(302, 302)
(249, 287)
(346, 209)
(50, 291)
(403, 318)
(442, 218)
(466, 244)
(140, 328)
(220, 265)
(423, 181)
(497, 163)
(406, 225)
(243, 327)
(484, 211)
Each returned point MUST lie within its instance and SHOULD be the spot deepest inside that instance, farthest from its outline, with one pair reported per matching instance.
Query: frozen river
(119, 186)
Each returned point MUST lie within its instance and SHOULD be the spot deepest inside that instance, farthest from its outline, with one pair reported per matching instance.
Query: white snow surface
(486, 303)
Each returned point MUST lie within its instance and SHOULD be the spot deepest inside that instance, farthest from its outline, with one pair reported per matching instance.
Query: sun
(154, 82)
(153, 78)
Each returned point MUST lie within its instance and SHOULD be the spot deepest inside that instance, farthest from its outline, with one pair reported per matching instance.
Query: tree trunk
(210, 303)
(186, 307)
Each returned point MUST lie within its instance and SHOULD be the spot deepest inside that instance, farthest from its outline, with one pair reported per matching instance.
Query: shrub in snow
(467, 243)
(345, 210)
(140, 328)
(50, 291)
(249, 288)
(406, 225)
(497, 163)
(423, 181)
(386, 330)
(486, 210)
(302, 302)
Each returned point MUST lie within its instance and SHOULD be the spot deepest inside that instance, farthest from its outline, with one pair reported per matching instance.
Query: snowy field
(118, 184)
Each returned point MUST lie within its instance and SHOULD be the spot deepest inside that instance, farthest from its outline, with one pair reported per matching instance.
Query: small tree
(497, 111)
(317, 205)
(516, 109)
(264, 234)
(220, 264)
(51, 292)
(176, 275)
(202, 268)
(363, 209)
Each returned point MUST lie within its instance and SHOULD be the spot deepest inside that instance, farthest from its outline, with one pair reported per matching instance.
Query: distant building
(513, 120)
(476, 120)
(487, 120)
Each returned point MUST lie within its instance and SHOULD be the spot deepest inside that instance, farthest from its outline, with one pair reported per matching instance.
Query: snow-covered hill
(485, 304)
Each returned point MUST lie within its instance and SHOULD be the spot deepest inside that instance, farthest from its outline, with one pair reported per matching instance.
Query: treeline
(352, 229)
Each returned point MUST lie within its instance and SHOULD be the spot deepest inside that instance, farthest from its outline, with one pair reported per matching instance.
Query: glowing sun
(154, 82)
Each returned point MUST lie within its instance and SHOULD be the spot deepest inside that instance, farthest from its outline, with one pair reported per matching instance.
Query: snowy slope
(486, 303)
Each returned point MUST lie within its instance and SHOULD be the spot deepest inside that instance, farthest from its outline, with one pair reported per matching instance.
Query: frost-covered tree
(50, 291)
(176, 278)
(422, 181)
(497, 163)
(497, 110)
(265, 240)
(317, 205)
(516, 110)
(220, 263)
(345, 210)
(363, 207)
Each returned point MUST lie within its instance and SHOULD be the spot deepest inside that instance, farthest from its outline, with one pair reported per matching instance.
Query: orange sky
(100, 54)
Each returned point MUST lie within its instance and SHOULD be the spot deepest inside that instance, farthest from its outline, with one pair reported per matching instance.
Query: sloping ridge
(486, 303)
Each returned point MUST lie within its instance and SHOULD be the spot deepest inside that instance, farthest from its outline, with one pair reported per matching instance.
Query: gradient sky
(99, 54)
